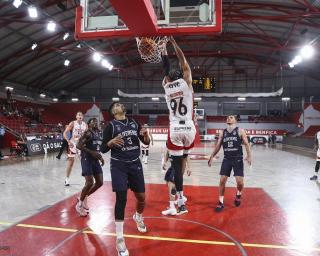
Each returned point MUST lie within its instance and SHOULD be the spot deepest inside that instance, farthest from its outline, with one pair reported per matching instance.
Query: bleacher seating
(311, 131)
(216, 119)
(162, 121)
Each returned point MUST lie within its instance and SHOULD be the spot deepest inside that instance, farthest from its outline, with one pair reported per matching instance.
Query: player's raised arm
(183, 62)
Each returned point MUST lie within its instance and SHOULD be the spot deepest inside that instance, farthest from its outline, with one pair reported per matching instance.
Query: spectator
(22, 142)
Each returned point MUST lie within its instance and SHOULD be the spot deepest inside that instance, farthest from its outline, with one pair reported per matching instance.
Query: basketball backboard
(133, 18)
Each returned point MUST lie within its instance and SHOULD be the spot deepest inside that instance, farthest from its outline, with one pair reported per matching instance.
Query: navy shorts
(169, 177)
(126, 175)
(228, 164)
(90, 167)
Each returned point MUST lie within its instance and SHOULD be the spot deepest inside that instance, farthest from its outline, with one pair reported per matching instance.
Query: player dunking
(122, 136)
(77, 128)
(89, 144)
(317, 147)
(231, 139)
(177, 84)
(145, 148)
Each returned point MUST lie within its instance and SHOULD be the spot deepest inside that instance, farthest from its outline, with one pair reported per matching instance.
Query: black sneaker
(219, 207)
(182, 209)
(58, 157)
(314, 177)
(237, 200)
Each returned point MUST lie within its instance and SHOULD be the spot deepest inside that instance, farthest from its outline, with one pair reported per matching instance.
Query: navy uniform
(125, 166)
(233, 155)
(91, 166)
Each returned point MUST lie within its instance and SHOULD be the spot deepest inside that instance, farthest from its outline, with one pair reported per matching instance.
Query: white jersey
(318, 151)
(78, 130)
(179, 97)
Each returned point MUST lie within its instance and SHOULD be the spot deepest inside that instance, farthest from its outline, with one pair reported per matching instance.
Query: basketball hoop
(150, 48)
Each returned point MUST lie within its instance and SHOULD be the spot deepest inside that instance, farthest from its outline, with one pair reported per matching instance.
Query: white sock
(180, 194)
(221, 199)
(119, 229)
(138, 215)
(180, 198)
(171, 203)
(238, 193)
(146, 159)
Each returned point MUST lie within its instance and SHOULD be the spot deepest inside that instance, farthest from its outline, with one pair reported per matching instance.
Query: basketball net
(151, 52)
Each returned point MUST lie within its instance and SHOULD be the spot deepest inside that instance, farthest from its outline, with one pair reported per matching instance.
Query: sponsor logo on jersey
(133, 125)
(176, 94)
(174, 85)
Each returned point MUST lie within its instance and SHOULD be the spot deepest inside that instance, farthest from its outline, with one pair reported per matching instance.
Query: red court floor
(257, 228)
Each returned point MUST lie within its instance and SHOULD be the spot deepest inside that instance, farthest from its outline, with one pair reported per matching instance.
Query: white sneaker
(121, 247)
(66, 182)
(84, 204)
(80, 210)
(140, 224)
(170, 211)
(185, 199)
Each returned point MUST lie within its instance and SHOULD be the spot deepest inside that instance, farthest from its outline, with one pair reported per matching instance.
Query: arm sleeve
(107, 136)
(166, 64)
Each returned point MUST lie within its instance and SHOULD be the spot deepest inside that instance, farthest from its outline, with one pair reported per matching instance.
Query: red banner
(253, 132)
(159, 130)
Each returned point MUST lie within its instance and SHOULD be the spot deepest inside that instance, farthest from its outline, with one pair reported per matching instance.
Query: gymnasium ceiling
(260, 34)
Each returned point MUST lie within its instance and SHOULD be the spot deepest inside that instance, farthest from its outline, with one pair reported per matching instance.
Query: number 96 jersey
(179, 97)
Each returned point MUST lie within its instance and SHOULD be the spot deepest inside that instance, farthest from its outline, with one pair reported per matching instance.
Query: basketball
(147, 46)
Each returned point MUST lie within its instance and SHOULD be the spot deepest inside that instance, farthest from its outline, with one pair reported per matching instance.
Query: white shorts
(144, 146)
(181, 138)
(73, 151)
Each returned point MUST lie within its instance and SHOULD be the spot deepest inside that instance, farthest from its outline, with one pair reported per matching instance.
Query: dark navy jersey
(93, 144)
(129, 130)
(232, 143)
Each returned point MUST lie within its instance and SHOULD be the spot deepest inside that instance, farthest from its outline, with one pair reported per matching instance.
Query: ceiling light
(66, 63)
(42, 95)
(9, 88)
(96, 57)
(197, 98)
(115, 99)
(51, 26)
(307, 52)
(155, 98)
(285, 99)
(65, 36)
(74, 99)
(17, 3)
(55, 99)
(34, 46)
(105, 64)
(297, 60)
(241, 99)
(110, 67)
(291, 65)
(33, 12)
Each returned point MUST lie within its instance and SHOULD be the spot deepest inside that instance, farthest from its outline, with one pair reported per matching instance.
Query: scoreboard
(204, 84)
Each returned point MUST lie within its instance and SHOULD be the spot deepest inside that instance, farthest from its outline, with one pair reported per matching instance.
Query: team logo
(234, 133)
(133, 125)
(118, 128)
(36, 147)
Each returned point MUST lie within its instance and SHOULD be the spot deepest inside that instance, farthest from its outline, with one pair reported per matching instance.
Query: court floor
(279, 214)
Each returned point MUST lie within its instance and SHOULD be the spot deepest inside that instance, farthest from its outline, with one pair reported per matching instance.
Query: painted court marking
(170, 239)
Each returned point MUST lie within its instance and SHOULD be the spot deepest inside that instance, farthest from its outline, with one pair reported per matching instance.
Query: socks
(238, 193)
(171, 203)
(119, 229)
(180, 198)
(221, 199)
(138, 215)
